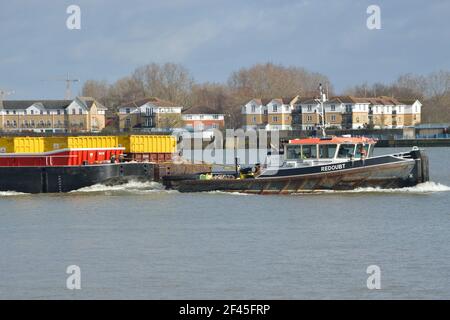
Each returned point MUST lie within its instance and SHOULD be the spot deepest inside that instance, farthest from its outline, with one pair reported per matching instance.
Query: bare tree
(96, 89)
(271, 80)
(169, 81)
(125, 90)
(215, 96)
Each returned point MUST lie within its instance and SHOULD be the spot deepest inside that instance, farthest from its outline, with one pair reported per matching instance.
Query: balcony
(148, 113)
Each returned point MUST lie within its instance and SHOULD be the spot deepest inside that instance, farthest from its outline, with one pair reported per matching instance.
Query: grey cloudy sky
(212, 38)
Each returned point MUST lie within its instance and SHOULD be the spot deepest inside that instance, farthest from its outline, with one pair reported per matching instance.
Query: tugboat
(330, 163)
(325, 163)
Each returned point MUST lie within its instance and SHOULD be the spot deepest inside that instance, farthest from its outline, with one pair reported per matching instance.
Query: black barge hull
(69, 178)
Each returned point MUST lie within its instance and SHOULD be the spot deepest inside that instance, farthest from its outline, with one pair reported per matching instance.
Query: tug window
(362, 149)
(293, 152)
(346, 150)
(327, 151)
(309, 152)
(370, 154)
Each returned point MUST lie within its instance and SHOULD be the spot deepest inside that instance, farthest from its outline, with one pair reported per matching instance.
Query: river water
(139, 241)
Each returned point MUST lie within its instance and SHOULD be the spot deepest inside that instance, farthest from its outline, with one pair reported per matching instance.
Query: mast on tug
(322, 100)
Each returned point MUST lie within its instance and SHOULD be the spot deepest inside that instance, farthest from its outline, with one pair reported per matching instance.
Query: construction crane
(4, 94)
(68, 82)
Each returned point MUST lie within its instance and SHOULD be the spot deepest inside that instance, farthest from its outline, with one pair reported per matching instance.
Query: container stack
(141, 148)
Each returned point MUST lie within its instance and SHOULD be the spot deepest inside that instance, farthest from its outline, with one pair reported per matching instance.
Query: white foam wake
(11, 193)
(229, 193)
(426, 187)
(129, 187)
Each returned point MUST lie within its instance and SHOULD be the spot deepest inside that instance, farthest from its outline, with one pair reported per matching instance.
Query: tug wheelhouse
(315, 151)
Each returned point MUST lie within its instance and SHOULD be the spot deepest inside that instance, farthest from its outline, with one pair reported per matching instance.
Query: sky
(213, 38)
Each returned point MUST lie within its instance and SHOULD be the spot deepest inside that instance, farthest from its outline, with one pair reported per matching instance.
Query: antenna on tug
(323, 98)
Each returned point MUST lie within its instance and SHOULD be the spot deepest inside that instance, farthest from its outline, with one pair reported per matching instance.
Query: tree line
(174, 82)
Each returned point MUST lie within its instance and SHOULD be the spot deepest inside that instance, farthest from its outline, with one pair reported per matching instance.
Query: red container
(64, 157)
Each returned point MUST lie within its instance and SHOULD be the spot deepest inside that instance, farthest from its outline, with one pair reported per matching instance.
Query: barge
(66, 170)
(63, 164)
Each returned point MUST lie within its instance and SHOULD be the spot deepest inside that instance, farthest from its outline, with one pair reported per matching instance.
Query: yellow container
(124, 142)
(152, 144)
(6, 145)
(132, 144)
(92, 142)
(28, 144)
(55, 143)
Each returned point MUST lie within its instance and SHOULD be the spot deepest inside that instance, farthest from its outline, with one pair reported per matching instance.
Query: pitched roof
(382, 100)
(24, 104)
(282, 100)
(288, 100)
(344, 99)
(407, 101)
(262, 101)
(48, 104)
(389, 100)
(308, 100)
(200, 110)
(348, 99)
(153, 100)
(88, 101)
(279, 100)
